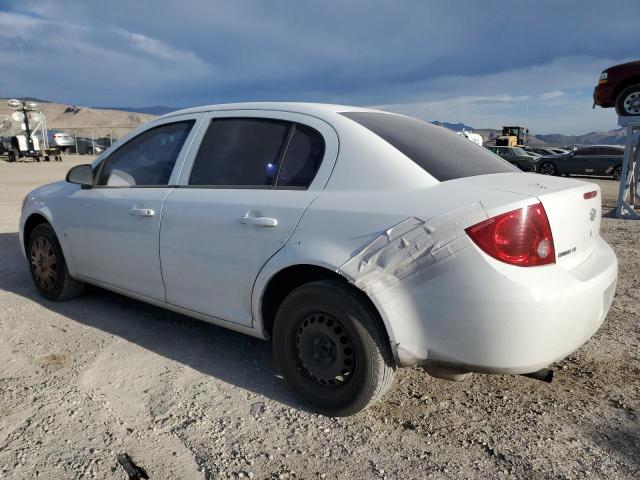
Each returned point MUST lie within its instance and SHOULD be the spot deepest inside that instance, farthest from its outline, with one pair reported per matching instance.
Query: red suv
(619, 86)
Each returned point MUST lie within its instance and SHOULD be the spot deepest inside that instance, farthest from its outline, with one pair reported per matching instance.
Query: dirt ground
(84, 380)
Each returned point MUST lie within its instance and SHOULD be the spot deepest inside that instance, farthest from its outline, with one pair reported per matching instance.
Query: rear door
(582, 161)
(241, 196)
(607, 159)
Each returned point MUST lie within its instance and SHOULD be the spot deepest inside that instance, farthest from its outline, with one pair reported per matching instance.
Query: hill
(69, 117)
(155, 110)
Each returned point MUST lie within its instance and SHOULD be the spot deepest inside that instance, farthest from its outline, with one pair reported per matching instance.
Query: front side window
(145, 160)
(587, 151)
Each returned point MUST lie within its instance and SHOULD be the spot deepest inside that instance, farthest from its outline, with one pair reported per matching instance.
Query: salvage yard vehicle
(522, 159)
(619, 87)
(359, 241)
(602, 160)
(61, 139)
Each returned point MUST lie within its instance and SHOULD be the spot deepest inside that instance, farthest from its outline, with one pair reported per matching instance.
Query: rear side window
(610, 151)
(440, 152)
(302, 158)
(257, 152)
(145, 160)
(240, 152)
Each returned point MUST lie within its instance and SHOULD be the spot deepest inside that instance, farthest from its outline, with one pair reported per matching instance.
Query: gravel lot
(84, 380)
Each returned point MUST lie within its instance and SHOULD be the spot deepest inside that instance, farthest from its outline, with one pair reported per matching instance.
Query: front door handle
(142, 212)
(255, 218)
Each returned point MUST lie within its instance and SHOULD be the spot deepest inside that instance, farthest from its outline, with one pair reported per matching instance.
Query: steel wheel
(548, 168)
(331, 347)
(44, 263)
(326, 353)
(631, 103)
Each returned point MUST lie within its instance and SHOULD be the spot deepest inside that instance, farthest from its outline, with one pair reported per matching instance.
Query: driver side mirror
(81, 175)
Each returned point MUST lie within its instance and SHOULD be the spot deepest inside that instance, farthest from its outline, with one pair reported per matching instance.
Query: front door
(114, 227)
(250, 183)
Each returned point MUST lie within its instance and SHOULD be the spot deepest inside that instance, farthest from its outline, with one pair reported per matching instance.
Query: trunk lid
(573, 216)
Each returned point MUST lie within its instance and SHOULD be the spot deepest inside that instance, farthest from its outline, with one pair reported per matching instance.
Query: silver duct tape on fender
(413, 245)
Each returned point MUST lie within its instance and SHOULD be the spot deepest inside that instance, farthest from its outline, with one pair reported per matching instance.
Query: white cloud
(552, 95)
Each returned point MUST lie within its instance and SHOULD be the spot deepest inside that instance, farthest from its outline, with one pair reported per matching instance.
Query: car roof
(315, 109)
(620, 147)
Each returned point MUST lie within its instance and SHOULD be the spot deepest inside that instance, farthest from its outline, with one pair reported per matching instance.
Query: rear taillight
(521, 237)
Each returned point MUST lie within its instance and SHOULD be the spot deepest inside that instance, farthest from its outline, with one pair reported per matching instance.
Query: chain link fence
(86, 140)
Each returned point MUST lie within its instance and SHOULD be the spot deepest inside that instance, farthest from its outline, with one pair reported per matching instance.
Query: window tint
(147, 159)
(240, 152)
(440, 152)
(587, 151)
(610, 151)
(302, 158)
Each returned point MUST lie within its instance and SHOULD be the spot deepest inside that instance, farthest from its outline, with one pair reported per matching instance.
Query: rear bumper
(477, 316)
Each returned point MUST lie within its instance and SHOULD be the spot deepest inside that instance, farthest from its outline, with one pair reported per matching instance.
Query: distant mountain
(456, 127)
(611, 137)
(155, 110)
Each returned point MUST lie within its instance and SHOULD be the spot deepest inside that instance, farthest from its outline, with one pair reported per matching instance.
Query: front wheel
(48, 267)
(628, 102)
(548, 168)
(332, 349)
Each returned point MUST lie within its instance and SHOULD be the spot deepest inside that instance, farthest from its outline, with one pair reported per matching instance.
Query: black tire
(617, 173)
(326, 327)
(12, 156)
(630, 96)
(547, 168)
(43, 250)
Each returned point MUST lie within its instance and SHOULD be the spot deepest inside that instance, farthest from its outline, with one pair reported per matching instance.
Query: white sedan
(359, 241)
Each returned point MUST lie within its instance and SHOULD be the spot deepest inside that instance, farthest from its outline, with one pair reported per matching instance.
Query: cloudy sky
(484, 63)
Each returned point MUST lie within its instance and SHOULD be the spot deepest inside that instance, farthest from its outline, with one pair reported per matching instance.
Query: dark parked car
(517, 156)
(619, 87)
(604, 160)
(87, 147)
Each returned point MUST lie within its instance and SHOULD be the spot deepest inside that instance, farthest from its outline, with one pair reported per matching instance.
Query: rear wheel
(628, 102)
(548, 168)
(331, 347)
(617, 173)
(48, 267)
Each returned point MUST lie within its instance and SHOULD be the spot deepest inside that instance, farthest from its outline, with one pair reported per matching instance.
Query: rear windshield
(440, 152)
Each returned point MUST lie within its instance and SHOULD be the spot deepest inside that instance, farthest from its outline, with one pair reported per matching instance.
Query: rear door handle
(254, 218)
(142, 212)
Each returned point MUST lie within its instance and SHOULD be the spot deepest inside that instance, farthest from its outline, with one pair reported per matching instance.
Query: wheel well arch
(32, 222)
(625, 84)
(294, 276)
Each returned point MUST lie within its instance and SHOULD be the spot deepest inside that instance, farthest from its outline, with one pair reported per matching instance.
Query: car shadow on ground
(215, 351)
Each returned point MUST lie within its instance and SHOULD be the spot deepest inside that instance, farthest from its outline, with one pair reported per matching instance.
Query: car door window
(240, 152)
(610, 151)
(145, 160)
(586, 152)
(302, 159)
